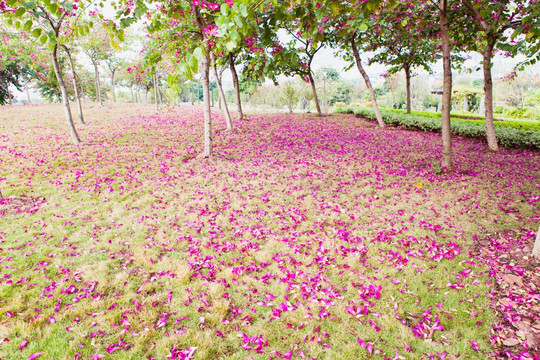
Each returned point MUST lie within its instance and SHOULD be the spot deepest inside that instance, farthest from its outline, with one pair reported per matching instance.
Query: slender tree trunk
(407, 69)
(75, 88)
(156, 92)
(536, 249)
(226, 112)
(368, 83)
(236, 84)
(131, 91)
(28, 95)
(447, 86)
(65, 100)
(112, 85)
(314, 90)
(98, 83)
(160, 99)
(488, 92)
(206, 107)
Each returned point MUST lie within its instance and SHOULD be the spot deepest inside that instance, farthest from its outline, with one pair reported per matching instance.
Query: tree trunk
(28, 95)
(536, 249)
(207, 151)
(112, 86)
(314, 90)
(488, 92)
(156, 91)
(98, 83)
(447, 86)
(65, 100)
(226, 112)
(368, 83)
(407, 69)
(160, 99)
(75, 88)
(236, 84)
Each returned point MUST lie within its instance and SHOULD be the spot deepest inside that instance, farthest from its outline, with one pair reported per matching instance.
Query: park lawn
(302, 237)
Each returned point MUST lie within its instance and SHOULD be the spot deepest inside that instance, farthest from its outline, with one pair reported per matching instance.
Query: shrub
(520, 134)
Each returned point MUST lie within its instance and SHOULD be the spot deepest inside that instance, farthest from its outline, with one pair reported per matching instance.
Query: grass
(277, 243)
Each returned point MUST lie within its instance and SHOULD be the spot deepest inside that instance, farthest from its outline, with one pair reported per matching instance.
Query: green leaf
(43, 39)
(20, 11)
(53, 8)
(198, 53)
(10, 3)
(243, 10)
(231, 45)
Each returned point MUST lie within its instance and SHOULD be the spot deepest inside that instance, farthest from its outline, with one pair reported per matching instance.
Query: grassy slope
(296, 221)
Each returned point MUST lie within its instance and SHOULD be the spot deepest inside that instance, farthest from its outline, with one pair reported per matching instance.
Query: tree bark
(226, 112)
(488, 92)
(27, 94)
(160, 99)
(65, 100)
(314, 90)
(75, 88)
(112, 85)
(156, 91)
(368, 83)
(407, 68)
(236, 84)
(447, 86)
(207, 151)
(98, 83)
(536, 249)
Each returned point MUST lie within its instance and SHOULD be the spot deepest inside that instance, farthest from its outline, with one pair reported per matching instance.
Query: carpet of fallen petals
(302, 237)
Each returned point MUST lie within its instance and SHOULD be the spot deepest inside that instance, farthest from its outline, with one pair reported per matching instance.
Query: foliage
(509, 134)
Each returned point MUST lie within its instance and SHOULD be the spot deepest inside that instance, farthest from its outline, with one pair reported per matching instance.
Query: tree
(97, 48)
(402, 43)
(13, 70)
(493, 20)
(113, 64)
(53, 24)
(351, 22)
(289, 96)
(75, 87)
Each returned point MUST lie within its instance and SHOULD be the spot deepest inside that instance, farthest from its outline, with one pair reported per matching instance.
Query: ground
(303, 237)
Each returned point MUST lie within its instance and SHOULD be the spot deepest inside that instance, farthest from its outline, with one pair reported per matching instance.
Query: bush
(528, 136)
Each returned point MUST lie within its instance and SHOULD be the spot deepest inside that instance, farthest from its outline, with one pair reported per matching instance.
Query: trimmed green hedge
(516, 124)
(507, 136)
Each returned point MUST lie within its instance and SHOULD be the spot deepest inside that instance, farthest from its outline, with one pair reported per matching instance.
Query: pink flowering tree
(351, 22)
(495, 23)
(191, 33)
(52, 24)
(402, 42)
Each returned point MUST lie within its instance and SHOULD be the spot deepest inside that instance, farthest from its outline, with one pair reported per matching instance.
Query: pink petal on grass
(34, 356)
(407, 347)
(23, 344)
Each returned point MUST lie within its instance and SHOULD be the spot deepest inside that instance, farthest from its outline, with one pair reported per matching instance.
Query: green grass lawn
(302, 237)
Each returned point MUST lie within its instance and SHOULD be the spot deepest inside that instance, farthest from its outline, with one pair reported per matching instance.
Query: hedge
(507, 136)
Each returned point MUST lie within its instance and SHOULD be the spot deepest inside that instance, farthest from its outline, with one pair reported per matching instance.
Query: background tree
(97, 47)
(493, 20)
(351, 22)
(402, 42)
(53, 24)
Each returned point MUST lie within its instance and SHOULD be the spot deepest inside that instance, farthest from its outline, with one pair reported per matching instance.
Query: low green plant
(510, 134)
